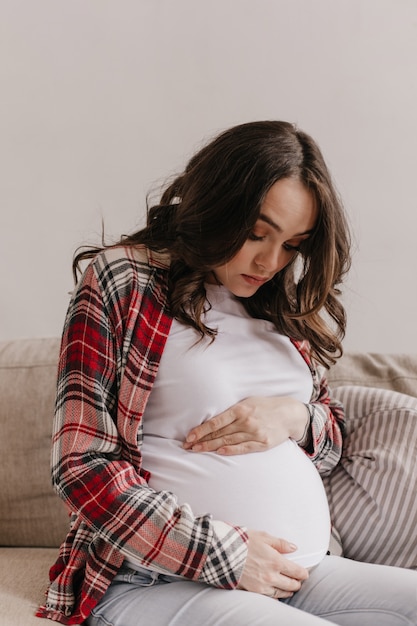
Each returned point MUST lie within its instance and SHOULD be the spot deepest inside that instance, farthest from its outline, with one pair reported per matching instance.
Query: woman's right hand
(267, 571)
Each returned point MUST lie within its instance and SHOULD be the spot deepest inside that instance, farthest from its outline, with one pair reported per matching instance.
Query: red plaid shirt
(114, 335)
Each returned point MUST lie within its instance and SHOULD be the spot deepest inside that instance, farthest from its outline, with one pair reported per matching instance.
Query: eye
(254, 237)
(291, 248)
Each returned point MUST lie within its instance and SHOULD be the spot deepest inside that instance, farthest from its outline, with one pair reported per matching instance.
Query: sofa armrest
(397, 372)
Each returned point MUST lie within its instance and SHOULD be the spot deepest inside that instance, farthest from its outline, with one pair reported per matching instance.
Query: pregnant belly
(278, 491)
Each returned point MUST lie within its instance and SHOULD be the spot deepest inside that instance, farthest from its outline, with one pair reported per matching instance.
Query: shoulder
(122, 277)
(124, 258)
(122, 267)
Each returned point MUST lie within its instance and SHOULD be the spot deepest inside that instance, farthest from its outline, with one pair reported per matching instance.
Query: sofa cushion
(373, 491)
(23, 580)
(30, 512)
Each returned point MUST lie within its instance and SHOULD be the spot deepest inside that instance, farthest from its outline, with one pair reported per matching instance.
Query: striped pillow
(373, 491)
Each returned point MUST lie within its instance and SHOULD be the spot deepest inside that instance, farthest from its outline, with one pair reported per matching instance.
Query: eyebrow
(278, 228)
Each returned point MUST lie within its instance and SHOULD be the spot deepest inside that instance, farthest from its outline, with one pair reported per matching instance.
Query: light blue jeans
(339, 591)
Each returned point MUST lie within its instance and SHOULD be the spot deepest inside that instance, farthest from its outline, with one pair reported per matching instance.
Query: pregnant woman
(193, 418)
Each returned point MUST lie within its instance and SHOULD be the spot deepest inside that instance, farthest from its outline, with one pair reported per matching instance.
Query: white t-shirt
(278, 490)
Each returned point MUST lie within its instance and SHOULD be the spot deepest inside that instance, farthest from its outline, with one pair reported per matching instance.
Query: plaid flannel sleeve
(323, 441)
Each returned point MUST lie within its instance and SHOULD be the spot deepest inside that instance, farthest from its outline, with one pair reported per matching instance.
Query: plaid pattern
(323, 444)
(115, 332)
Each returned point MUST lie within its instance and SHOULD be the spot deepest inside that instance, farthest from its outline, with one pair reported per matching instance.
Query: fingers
(279, 594)
(282, 545)
(213, 430)
(285, 583)
(278, 585)
(289, 568)
(267, 570)
(235, 431)
(226, 444)
(245, 447)
(254, 424)
(285, 587)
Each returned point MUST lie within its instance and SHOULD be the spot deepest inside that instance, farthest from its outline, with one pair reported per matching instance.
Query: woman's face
(287, 218)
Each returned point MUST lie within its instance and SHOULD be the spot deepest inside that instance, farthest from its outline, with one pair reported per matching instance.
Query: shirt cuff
(227, 556)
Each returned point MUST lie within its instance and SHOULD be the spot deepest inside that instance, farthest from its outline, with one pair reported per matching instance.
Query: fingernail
(190, 438)
(293, 546)
(197, 447)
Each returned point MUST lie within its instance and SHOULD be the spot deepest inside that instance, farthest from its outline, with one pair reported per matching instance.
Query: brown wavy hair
(206, 214)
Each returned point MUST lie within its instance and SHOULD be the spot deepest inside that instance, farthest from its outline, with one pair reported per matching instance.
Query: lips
(255, 280)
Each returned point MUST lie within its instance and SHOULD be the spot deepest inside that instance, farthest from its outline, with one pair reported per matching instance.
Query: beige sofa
(33, 521)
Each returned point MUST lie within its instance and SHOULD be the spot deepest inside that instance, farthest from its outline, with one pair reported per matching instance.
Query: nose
(272, 259)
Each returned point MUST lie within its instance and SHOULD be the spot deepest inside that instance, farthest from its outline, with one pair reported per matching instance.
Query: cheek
(236, 265)
(242, 257)
(290, 258)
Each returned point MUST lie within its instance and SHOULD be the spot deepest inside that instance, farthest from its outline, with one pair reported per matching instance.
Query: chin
(244, 292)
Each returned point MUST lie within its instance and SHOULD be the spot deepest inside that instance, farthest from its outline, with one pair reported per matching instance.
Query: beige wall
(101, 99)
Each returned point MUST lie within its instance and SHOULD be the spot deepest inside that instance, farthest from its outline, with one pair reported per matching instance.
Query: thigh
(348, 593)
(185, 603)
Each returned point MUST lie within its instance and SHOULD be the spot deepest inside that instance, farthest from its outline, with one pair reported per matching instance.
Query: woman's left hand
(252, 425)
